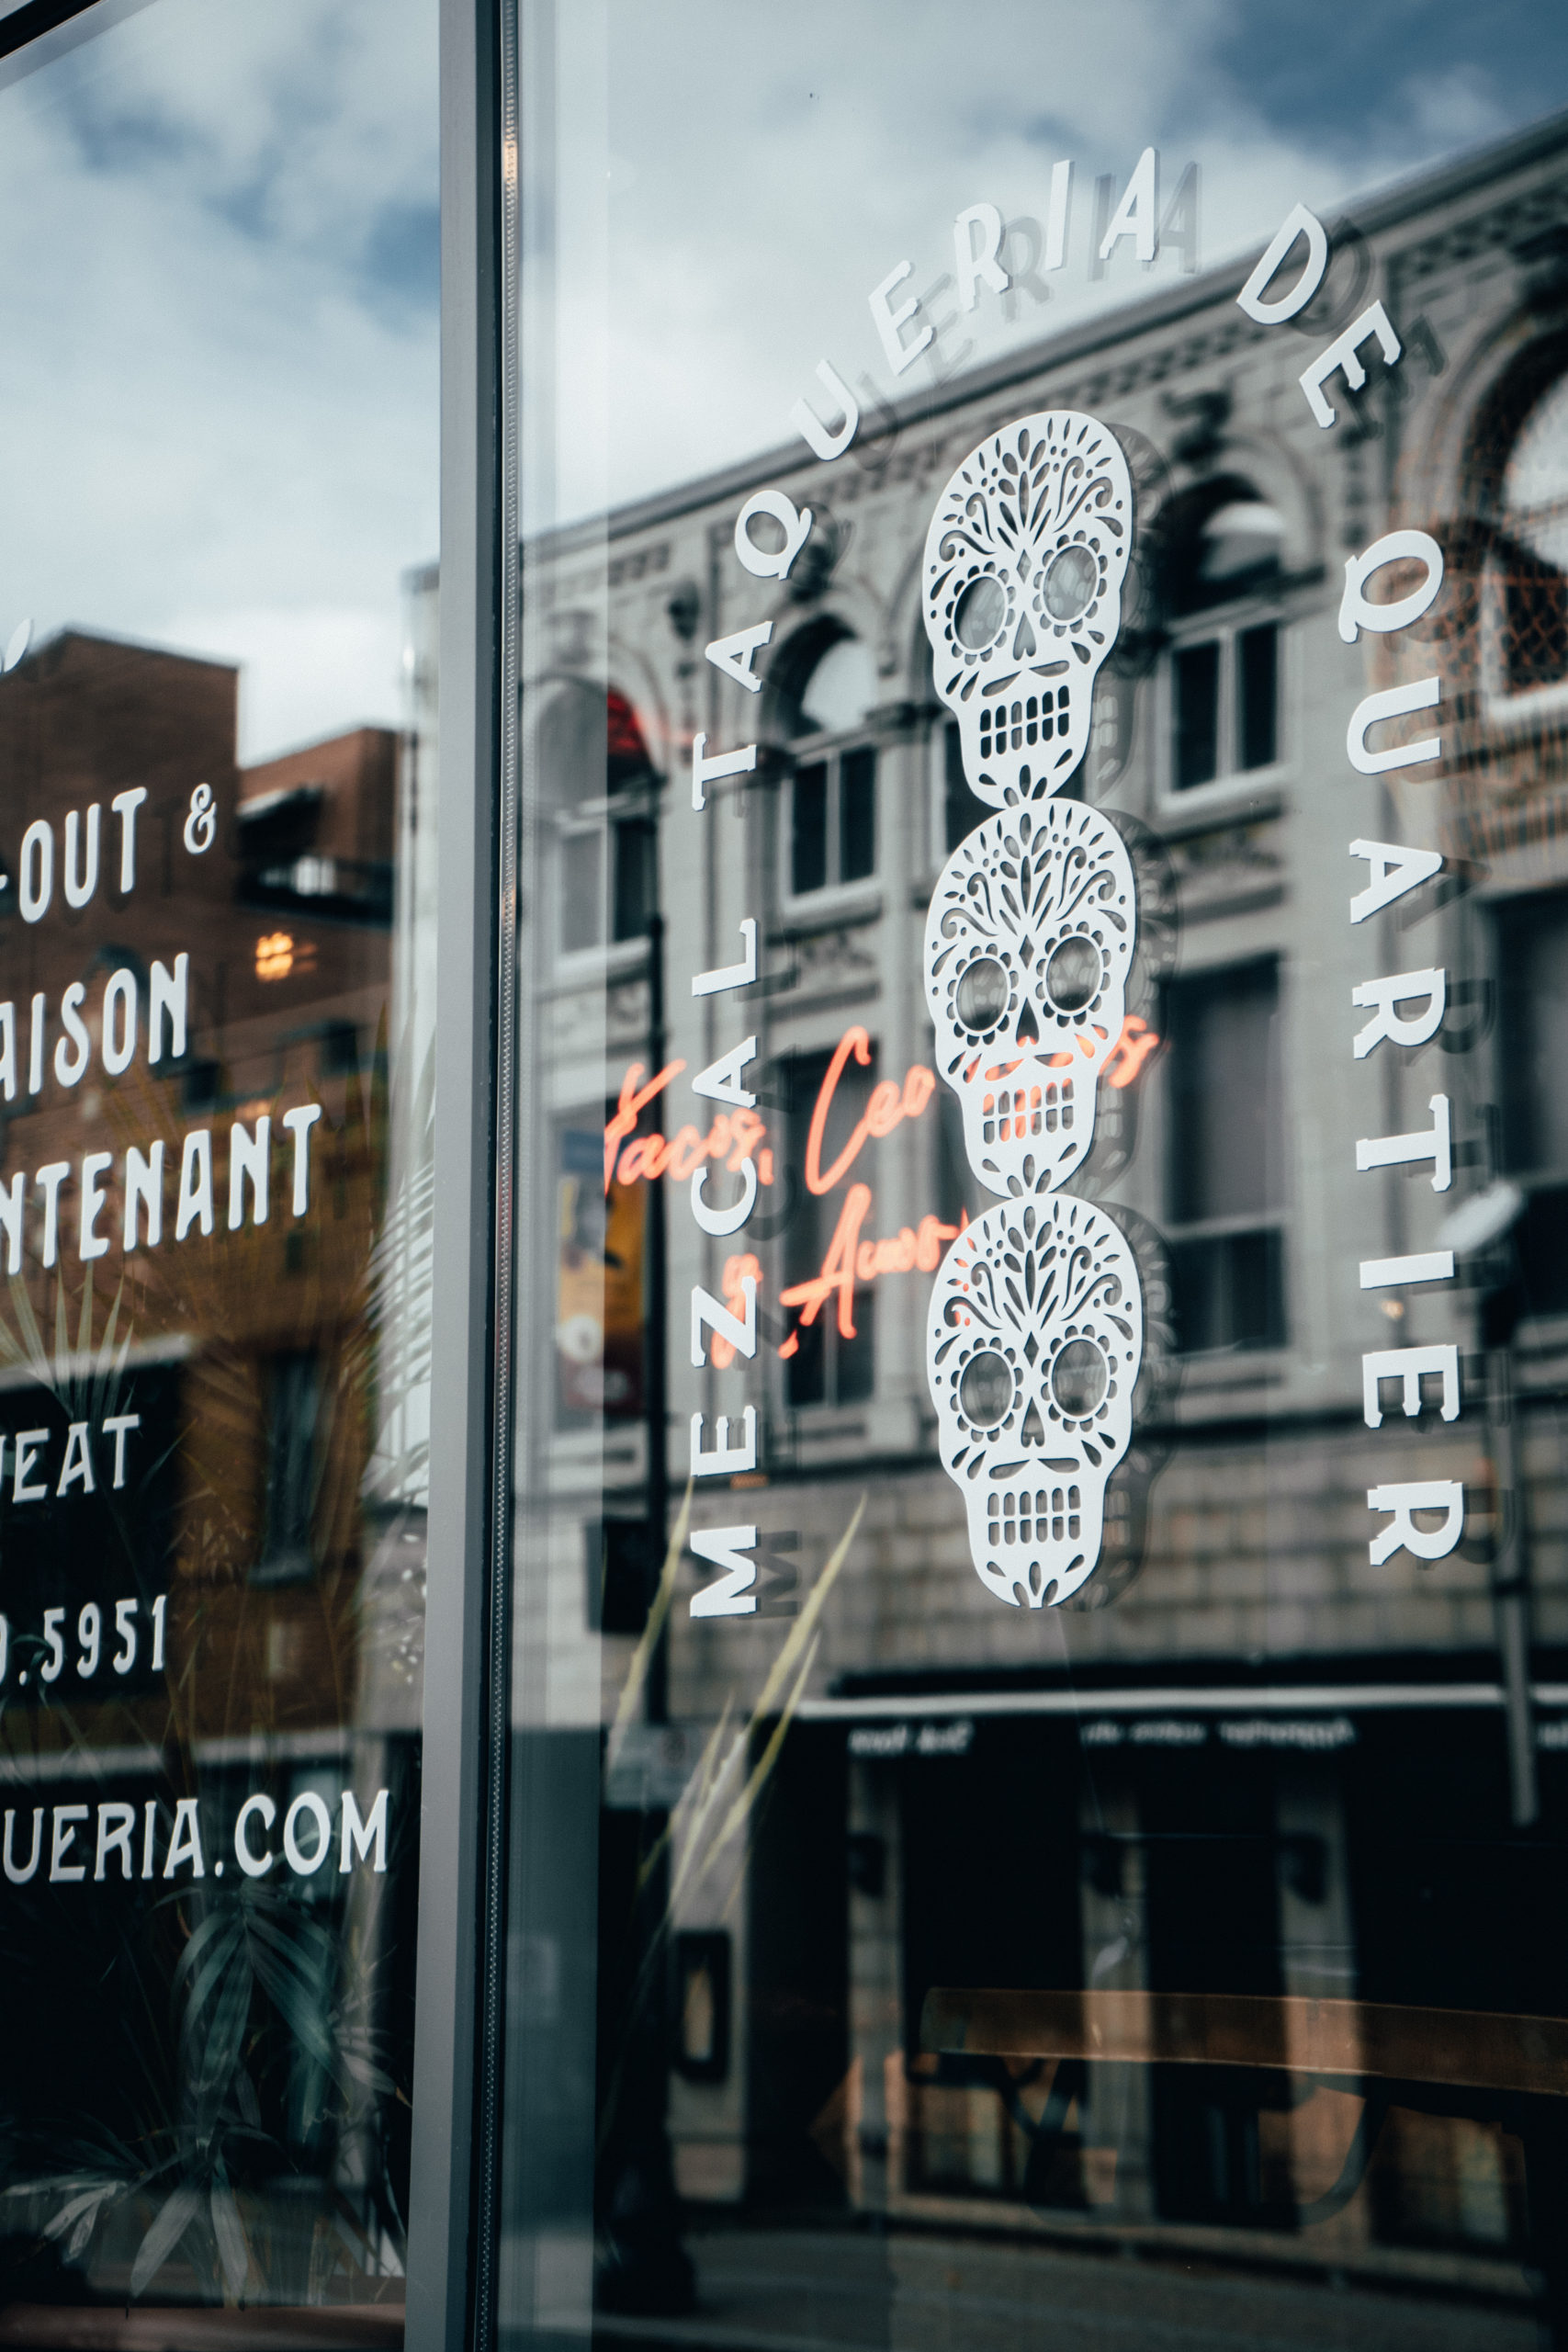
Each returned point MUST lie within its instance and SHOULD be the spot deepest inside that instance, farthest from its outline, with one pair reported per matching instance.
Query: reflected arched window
(1531, 549)
(598, 783)
(824, 692)
(1221, 554)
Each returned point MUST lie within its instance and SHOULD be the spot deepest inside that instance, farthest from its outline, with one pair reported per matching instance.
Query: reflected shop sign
(1036, 1351)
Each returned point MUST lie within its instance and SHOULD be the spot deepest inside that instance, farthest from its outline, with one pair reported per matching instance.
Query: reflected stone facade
(1240, 1667)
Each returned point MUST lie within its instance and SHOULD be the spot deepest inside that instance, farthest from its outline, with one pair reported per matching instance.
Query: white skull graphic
(1028, 945)
(1034, 1348)
(1024, 563)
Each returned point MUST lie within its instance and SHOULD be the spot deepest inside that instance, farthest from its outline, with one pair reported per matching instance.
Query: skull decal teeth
(1034, 1345)
(1028, 945)
(1022, 576)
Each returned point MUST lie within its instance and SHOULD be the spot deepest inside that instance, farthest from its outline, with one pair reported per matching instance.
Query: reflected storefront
(786, 1550)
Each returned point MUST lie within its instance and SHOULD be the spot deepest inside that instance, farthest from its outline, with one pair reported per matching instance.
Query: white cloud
(218, 404)
(730, 194)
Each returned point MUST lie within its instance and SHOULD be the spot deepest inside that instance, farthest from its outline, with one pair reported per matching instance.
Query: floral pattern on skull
(1034, 1348)
(1021, 582)
(1028, 945)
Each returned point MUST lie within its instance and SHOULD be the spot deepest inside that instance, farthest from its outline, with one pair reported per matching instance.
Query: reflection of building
(1267, 1767)
(205, 1570)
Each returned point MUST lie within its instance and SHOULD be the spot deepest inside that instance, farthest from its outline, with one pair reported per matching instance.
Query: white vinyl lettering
(196, 1183)
(167, 996)
(90, 1243)
(1402, 1533)
(1393, 702)
(1424, 1266)
(68, 1066)
(731, 976)
(143, 1191)
(720, 1082)
(35, 881)
(768, 563)
(734, 655)
(1394, 870)
(731, 1594)
(802, 417)
(1343, 353)
(1409, 1366)
(723, 763)
(185, 1846)
(1299, 225)
(739, 1330)
(263, 1809)
(81, 873)
(120, 1016)
(721, 1223)
(48, 1181)
(248, 1159)
(359, 1835)
(1381, 997)
(725, 1460)
(11, 1220)
(1137, 215)
(978, 265)
(299, 1123)
(125, 806)
(890, 323)
(1408, 1150)
(1395, 547)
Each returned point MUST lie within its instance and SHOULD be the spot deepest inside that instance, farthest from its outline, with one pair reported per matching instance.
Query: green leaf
(233, 2251)
(169, 2226)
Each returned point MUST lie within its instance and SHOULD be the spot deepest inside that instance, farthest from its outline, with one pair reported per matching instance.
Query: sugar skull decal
(1028, 945)
(1021, 583)
(1035, 1344)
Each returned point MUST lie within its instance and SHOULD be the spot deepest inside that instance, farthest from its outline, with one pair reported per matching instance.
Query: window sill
(582, 967)
(1253, 796)
(832, 909)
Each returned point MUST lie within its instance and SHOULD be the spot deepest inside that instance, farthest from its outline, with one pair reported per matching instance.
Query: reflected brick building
(190, 1422)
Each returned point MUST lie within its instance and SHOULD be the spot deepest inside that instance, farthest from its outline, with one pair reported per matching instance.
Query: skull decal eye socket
(1079, 1379)
(981, 996)
(1073, 975)
(1022, 589)
(1071, 579)
(1029, 942)
(1032, 1351)
(980, 614)
(985, 1392)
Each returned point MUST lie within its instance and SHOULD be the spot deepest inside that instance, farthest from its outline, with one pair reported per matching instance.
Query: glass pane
(1257, 678)
(1040, 1716)
(218, 315)
(857, 813)
(808, 834)
(1196, 675)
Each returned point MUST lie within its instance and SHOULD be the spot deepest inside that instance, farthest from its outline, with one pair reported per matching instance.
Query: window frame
(1224, 625)
(808, 752)
(1271, 1222)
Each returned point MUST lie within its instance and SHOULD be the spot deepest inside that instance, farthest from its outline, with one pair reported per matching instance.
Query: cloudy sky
(730, 191)
(218, 289)
(219, 302)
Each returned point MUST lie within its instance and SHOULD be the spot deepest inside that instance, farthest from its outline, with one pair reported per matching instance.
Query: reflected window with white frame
(1221, 548)
(599, 785)
(831, 797)
(1526, 613)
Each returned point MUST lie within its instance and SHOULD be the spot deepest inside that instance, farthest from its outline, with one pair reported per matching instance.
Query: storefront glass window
(218, 474)
(1039, 1657)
